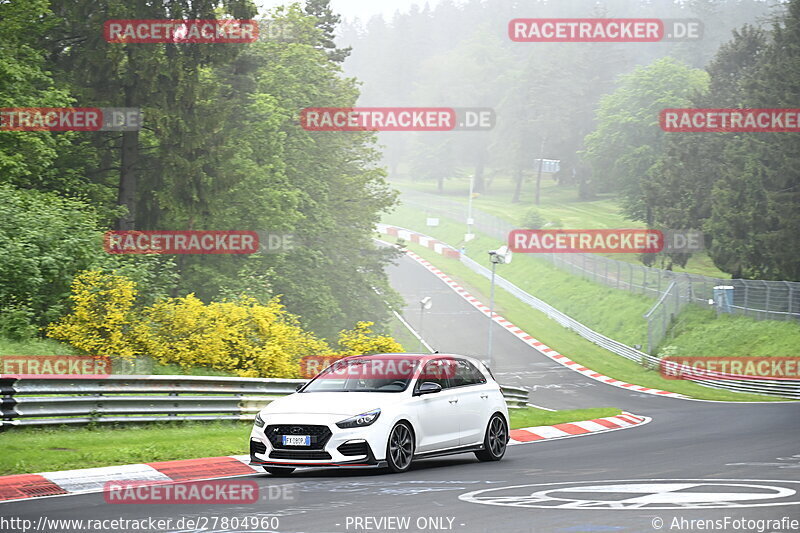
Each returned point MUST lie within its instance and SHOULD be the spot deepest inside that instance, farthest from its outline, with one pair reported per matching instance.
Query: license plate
(296, 440)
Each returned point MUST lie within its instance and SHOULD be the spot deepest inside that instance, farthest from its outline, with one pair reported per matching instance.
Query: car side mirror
(300, 386)
(429, 388)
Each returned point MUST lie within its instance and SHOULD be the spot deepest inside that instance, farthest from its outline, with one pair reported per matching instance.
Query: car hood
(333, 403)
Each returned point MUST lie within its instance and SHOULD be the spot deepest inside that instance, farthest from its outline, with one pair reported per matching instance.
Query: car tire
(279, 471)
(495, 441)
(400, 448)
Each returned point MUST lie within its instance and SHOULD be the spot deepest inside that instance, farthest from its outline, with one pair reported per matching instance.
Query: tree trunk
(539, 182)
(539, 174)
(517, 184)
(126, 194)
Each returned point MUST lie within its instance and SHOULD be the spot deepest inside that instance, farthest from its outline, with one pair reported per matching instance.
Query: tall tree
(760, 184)
(628, 140)
(162, 79)
(326, 22)
(26, 157)
(681, 188)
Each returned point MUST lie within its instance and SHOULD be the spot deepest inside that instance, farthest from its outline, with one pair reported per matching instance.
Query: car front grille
(297, 454)
(353, 448)
(319, 435)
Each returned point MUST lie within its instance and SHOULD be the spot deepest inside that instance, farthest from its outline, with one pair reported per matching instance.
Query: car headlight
(364, 419)
(259, 421)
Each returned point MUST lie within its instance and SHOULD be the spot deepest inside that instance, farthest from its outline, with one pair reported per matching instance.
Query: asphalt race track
(694, 461)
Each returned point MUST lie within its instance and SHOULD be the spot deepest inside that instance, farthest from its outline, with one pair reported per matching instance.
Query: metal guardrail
(563, 319)
(782, 388)
(121, 398)
(515, 397)
(131, 398)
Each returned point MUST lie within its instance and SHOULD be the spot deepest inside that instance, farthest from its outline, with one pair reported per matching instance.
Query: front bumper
(331, 446)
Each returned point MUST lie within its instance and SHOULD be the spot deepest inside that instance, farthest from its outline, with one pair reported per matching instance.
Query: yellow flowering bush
(361, 340)
(243, 337)
(102, 321)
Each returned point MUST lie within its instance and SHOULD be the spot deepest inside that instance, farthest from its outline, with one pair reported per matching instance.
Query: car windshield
(365, 375)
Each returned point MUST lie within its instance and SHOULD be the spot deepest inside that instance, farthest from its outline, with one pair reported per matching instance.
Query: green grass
(401, 334)
(558, 204)
(531, 416)
(27, 450)
(615, 313)
(701, 332)
(582, 299)
(570, 343)
(34, 347)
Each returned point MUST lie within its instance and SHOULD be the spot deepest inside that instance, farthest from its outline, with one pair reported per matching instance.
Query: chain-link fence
(759, 299)
(783, 388)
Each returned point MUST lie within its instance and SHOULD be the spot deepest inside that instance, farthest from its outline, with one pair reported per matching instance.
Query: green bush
(44, 241)
(533, 220)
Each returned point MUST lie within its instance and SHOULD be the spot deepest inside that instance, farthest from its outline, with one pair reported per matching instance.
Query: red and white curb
(423, 240)
(576, 429)
(88, 480)
(516, 331)
(94, 480)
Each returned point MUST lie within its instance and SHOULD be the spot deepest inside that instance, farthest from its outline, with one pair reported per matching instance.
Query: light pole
(500, 256)
(539, 174)
(469, 235)
(424, 305)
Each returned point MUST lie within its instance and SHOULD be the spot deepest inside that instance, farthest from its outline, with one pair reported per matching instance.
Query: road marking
(790, 462)
(647, 494)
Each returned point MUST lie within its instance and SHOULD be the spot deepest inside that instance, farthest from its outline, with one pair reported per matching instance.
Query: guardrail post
(766, 305)
(7, 402)
(746, 298)
(630, 277)
(174, 393)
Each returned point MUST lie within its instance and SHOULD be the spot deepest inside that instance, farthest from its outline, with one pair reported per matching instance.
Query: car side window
(466, 374)
(436, 371)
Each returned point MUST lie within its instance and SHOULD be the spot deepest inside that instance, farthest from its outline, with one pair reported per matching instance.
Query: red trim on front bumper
(309, 464)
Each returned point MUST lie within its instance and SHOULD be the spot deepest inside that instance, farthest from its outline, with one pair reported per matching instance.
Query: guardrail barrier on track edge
(782, 388)
(160, 398)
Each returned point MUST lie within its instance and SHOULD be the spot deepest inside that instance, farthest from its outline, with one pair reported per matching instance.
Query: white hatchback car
(384, 410)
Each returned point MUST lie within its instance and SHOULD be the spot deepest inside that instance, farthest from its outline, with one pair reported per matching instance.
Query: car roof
(417, 356)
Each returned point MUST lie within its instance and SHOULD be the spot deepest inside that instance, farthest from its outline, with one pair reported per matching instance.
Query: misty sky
(363, 9)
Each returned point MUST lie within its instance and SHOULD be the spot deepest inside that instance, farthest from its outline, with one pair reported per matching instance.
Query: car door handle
(484, 396)
(453, 401)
